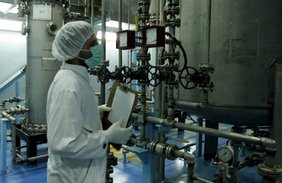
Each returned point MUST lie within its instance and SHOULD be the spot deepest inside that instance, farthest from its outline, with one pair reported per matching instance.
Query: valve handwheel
(104, 75)
(188, 78)
(126, 73)
(154, 76)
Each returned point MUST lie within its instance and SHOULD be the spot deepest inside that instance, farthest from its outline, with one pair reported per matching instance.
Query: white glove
(117, 134)
(103, 108)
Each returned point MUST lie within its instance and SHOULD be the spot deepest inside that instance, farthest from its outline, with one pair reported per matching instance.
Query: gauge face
(225, 153)
(151, 35)
(123, 39)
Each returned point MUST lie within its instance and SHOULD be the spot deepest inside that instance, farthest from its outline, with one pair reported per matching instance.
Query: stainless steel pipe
(266, 142)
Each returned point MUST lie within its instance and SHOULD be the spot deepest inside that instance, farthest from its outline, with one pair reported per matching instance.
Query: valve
(154, 76)
(104, 75)
(189, 78)
(126, 72)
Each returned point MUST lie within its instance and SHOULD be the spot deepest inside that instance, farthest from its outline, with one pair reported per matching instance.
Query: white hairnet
(70, 39)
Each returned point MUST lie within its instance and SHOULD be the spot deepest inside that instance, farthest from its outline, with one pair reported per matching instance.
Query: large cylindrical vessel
(241, 39)
(43, 21)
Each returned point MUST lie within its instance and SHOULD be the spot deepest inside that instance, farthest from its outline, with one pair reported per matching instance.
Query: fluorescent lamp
(10, 25)
(110, 36)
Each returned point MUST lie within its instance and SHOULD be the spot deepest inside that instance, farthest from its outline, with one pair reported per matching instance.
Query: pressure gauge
(125, 40)
(153, 36)
(225, 153)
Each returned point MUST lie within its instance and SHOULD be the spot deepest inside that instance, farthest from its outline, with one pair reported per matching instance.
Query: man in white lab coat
(77, 143)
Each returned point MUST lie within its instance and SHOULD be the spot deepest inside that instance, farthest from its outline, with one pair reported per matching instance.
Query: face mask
(97, 55)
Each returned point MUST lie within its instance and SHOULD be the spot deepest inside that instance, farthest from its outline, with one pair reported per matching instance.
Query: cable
(182, 49)
(191, 118)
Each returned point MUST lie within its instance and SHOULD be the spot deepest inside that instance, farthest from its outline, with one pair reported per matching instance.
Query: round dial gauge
(151, 36)
(225, 153)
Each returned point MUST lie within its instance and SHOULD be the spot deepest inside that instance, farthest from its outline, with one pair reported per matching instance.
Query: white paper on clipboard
(121, 107)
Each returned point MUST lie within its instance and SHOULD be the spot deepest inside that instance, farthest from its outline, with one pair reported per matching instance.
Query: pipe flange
(152, 146)
(170, 152)
(160, 149)
(171, 56)
(270, 172)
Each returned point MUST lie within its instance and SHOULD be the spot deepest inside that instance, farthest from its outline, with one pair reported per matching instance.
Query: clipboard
(122, 100)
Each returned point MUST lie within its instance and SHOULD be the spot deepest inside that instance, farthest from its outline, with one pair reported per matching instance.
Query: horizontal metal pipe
(229, 114)
(186, 156)
(8, 116)
(201, 179)
(267, 142)
(23, 160)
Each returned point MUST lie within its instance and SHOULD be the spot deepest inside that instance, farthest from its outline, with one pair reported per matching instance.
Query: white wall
(12, 58)
(12, 53)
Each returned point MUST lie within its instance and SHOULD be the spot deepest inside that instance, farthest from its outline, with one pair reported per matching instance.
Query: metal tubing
(6, 84)
(186, 156)
(13, 126)
(143, 112)
(267, 142)
(3, 144)
(230, 135)
(230, 114)
(190, 173)
(103, 86)
(23, 160)
(209, 30)
(119, 28)
(191, 164)
(199, 148)
(202, 180)
(161, 10)
(17, 88)
(8, 116)
(92, 13)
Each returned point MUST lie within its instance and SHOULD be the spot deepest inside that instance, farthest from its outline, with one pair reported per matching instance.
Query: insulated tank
(241, 39)
(44, 20)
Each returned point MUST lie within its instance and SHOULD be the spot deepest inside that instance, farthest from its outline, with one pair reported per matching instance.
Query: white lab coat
(77, 144)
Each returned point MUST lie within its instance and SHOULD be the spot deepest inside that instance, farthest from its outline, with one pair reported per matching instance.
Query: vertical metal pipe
(103, 86)
(190, 172)
(209, 30)
(119, 28)
(277, 112)
(128, 27)
(161, 12)
(3, 145)
(199, 144)
(92, 13)
(160, 97)
(17, 87)
(143, 111)
(14, 148)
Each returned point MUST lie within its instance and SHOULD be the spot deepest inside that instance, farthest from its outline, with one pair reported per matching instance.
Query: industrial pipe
(266, 142)
(103, 85)
(23, 160)
(8, 116)
(120, 28)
